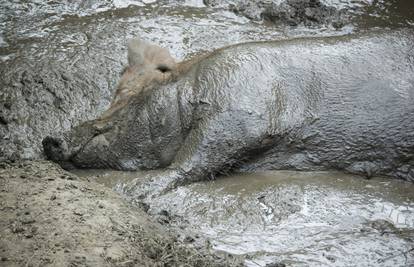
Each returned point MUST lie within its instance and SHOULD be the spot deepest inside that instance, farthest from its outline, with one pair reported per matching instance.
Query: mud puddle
(294, 218)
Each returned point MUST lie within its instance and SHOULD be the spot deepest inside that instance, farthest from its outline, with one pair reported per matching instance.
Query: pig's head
(148, 65)
(132, 134)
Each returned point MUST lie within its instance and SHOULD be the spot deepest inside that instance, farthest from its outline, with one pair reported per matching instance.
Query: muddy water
(295, 218)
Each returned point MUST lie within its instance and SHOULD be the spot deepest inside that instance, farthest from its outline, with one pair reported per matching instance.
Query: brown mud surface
(50, 217)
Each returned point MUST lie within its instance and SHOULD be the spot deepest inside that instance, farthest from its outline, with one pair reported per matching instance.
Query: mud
(291, 12)
(50, 217)
(292, 218)
(60, 63)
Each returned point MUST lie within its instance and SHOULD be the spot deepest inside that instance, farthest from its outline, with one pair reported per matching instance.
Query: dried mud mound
(51, 217)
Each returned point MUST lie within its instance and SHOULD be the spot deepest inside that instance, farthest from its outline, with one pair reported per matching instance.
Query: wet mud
(292, 218)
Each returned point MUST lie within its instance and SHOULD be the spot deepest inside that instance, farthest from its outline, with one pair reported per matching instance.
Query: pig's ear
(136, 52)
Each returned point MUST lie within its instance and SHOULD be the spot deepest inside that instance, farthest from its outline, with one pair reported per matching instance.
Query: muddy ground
(60, 65)
(50, 217)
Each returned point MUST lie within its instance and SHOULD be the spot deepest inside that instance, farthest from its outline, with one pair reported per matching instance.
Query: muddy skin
(148, 64)
(307, 104)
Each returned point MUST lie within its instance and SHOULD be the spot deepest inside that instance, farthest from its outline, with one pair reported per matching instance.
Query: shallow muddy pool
(294, 218)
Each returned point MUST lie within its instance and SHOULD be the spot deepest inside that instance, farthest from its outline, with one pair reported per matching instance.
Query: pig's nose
(55, 148)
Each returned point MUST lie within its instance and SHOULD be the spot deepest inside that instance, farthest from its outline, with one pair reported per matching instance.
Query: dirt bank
(53, 218)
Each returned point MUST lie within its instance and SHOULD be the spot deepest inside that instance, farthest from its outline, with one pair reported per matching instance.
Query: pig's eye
(123, 71)
(163, 68)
